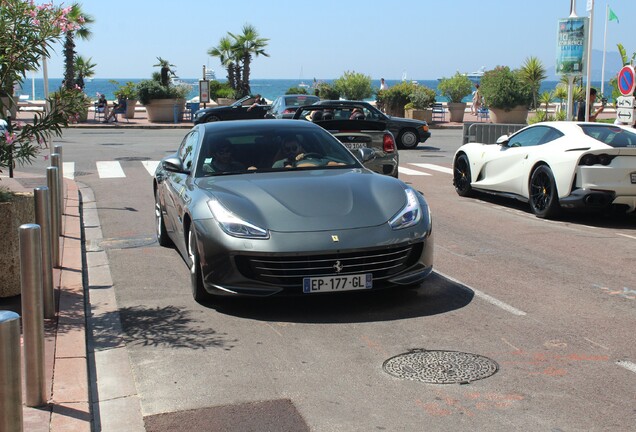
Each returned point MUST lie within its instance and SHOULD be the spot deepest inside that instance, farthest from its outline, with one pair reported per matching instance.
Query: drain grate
(440, 367)
(132, 158)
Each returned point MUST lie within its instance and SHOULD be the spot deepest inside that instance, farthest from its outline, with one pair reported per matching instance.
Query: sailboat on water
(302, 83)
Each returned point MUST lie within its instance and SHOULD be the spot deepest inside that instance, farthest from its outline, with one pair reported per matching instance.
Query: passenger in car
(356, 114)
(291, 152)
(223, 159)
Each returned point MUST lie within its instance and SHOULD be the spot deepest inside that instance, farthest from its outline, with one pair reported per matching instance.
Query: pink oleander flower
(9, 137)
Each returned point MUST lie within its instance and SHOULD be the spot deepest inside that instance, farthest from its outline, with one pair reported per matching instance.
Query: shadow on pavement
(435, 296)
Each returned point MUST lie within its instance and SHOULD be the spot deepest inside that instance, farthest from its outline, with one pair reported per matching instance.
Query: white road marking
(486, 297)
(109, 169)
(626, 235)
(412, 172)
(627, 365)
(69, 170)
(434, 167)
(150, 166)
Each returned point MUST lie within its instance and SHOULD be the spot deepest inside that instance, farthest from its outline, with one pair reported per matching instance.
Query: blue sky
(426, 39)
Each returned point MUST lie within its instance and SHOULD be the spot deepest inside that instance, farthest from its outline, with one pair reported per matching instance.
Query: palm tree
(532, 73)
(545, 99)
(225, 52)
(77, 17)
(166, 71)
(83, 69)
(247, 45)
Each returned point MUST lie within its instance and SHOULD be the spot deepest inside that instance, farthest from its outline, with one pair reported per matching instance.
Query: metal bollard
(56, 161)
(32, 313)
(43, 218)
(10, 373)
(58, 148)
(54, 207)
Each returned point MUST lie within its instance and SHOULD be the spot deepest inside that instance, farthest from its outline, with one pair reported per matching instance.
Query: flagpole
(604, 50)
(588, 86)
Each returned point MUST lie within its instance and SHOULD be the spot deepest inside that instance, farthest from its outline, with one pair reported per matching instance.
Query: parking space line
(69, 170)
(486, 297)
(626, 235)
(109, 169)
(150, 166)
(412, 172)
(434, 167)
(627, 365)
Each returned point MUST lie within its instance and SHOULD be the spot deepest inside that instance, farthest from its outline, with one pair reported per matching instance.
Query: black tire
(212, 118)
(461, 176)
(544, 197)
(199, 293)
(408, 139)
(162, 235)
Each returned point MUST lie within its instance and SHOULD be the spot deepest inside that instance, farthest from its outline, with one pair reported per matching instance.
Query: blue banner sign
(571, 46)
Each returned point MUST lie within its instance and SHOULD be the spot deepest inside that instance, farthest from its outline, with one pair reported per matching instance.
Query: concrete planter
(130, 108)
(419, 114)
(225, 101)
(517, 115)
(457, 111)
(163, 110)
(12, 215)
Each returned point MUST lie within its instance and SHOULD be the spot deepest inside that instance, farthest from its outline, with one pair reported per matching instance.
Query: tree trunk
(69, 66)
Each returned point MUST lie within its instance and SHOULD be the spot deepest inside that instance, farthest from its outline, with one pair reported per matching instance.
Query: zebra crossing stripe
(408, 171)
(434, 167)
(69, 170)
(150, 166)
(109, 169)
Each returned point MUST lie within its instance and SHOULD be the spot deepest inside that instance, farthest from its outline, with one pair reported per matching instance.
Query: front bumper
(278, 265)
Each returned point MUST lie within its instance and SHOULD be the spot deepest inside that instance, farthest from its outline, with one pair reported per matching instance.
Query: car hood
(405, 121)
(312, 200)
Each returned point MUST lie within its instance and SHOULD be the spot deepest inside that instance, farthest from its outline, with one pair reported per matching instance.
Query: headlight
(410, 214)
(233, 225)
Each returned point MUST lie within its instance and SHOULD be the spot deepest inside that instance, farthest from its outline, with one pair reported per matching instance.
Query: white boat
(175, 81)
(476, 76)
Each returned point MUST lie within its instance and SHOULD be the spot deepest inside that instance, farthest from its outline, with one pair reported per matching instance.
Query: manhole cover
(81, 173)
(112, 144)
(440, 367)
(127, 243)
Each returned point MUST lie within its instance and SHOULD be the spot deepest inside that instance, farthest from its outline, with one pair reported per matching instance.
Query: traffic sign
(625, 109)
(626, 80)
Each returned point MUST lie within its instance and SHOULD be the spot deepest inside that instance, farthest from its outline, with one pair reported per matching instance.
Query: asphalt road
(552, 303)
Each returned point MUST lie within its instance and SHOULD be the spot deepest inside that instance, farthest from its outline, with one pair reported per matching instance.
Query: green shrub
(127, 91)
(455, 88)
(393, 100)
(504, 89)
(219, 89)
(151, 89)
(327, 91)
(296, 90)
(421, 98)
(5, 194)
(354, 86)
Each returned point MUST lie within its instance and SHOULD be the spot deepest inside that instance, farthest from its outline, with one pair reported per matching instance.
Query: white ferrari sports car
(554, 166)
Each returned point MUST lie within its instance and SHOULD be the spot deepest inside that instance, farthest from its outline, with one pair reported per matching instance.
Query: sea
(270, 89)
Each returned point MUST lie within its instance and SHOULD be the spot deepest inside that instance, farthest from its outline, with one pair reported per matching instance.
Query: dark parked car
(282, 207)
(409, 133)
(285, 106)
(239, 110)
(356, 133)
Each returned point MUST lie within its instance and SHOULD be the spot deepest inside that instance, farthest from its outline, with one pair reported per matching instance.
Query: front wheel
(544, 199)
(196, 277)
(162, 234)
(408, 139)
(213, 118)
(461, 176)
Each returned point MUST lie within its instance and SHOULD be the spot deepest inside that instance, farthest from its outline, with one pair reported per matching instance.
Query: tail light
(592, 159)
(388, 143)
(289, 111)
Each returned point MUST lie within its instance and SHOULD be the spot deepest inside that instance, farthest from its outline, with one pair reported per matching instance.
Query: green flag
(612, 16)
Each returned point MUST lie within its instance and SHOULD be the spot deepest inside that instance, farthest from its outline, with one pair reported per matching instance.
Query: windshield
(241, 101)
(611, 135)
(267, 149)
(296, 101)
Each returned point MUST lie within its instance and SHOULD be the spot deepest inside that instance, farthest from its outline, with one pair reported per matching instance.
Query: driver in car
(292, 151)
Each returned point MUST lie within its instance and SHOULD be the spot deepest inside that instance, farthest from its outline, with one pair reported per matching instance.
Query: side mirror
(503, 140)
(365, 154)
(173, 164)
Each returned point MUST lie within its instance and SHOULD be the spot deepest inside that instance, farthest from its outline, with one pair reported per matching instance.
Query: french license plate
(633, 175)
(355, 146)
(337, 283)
